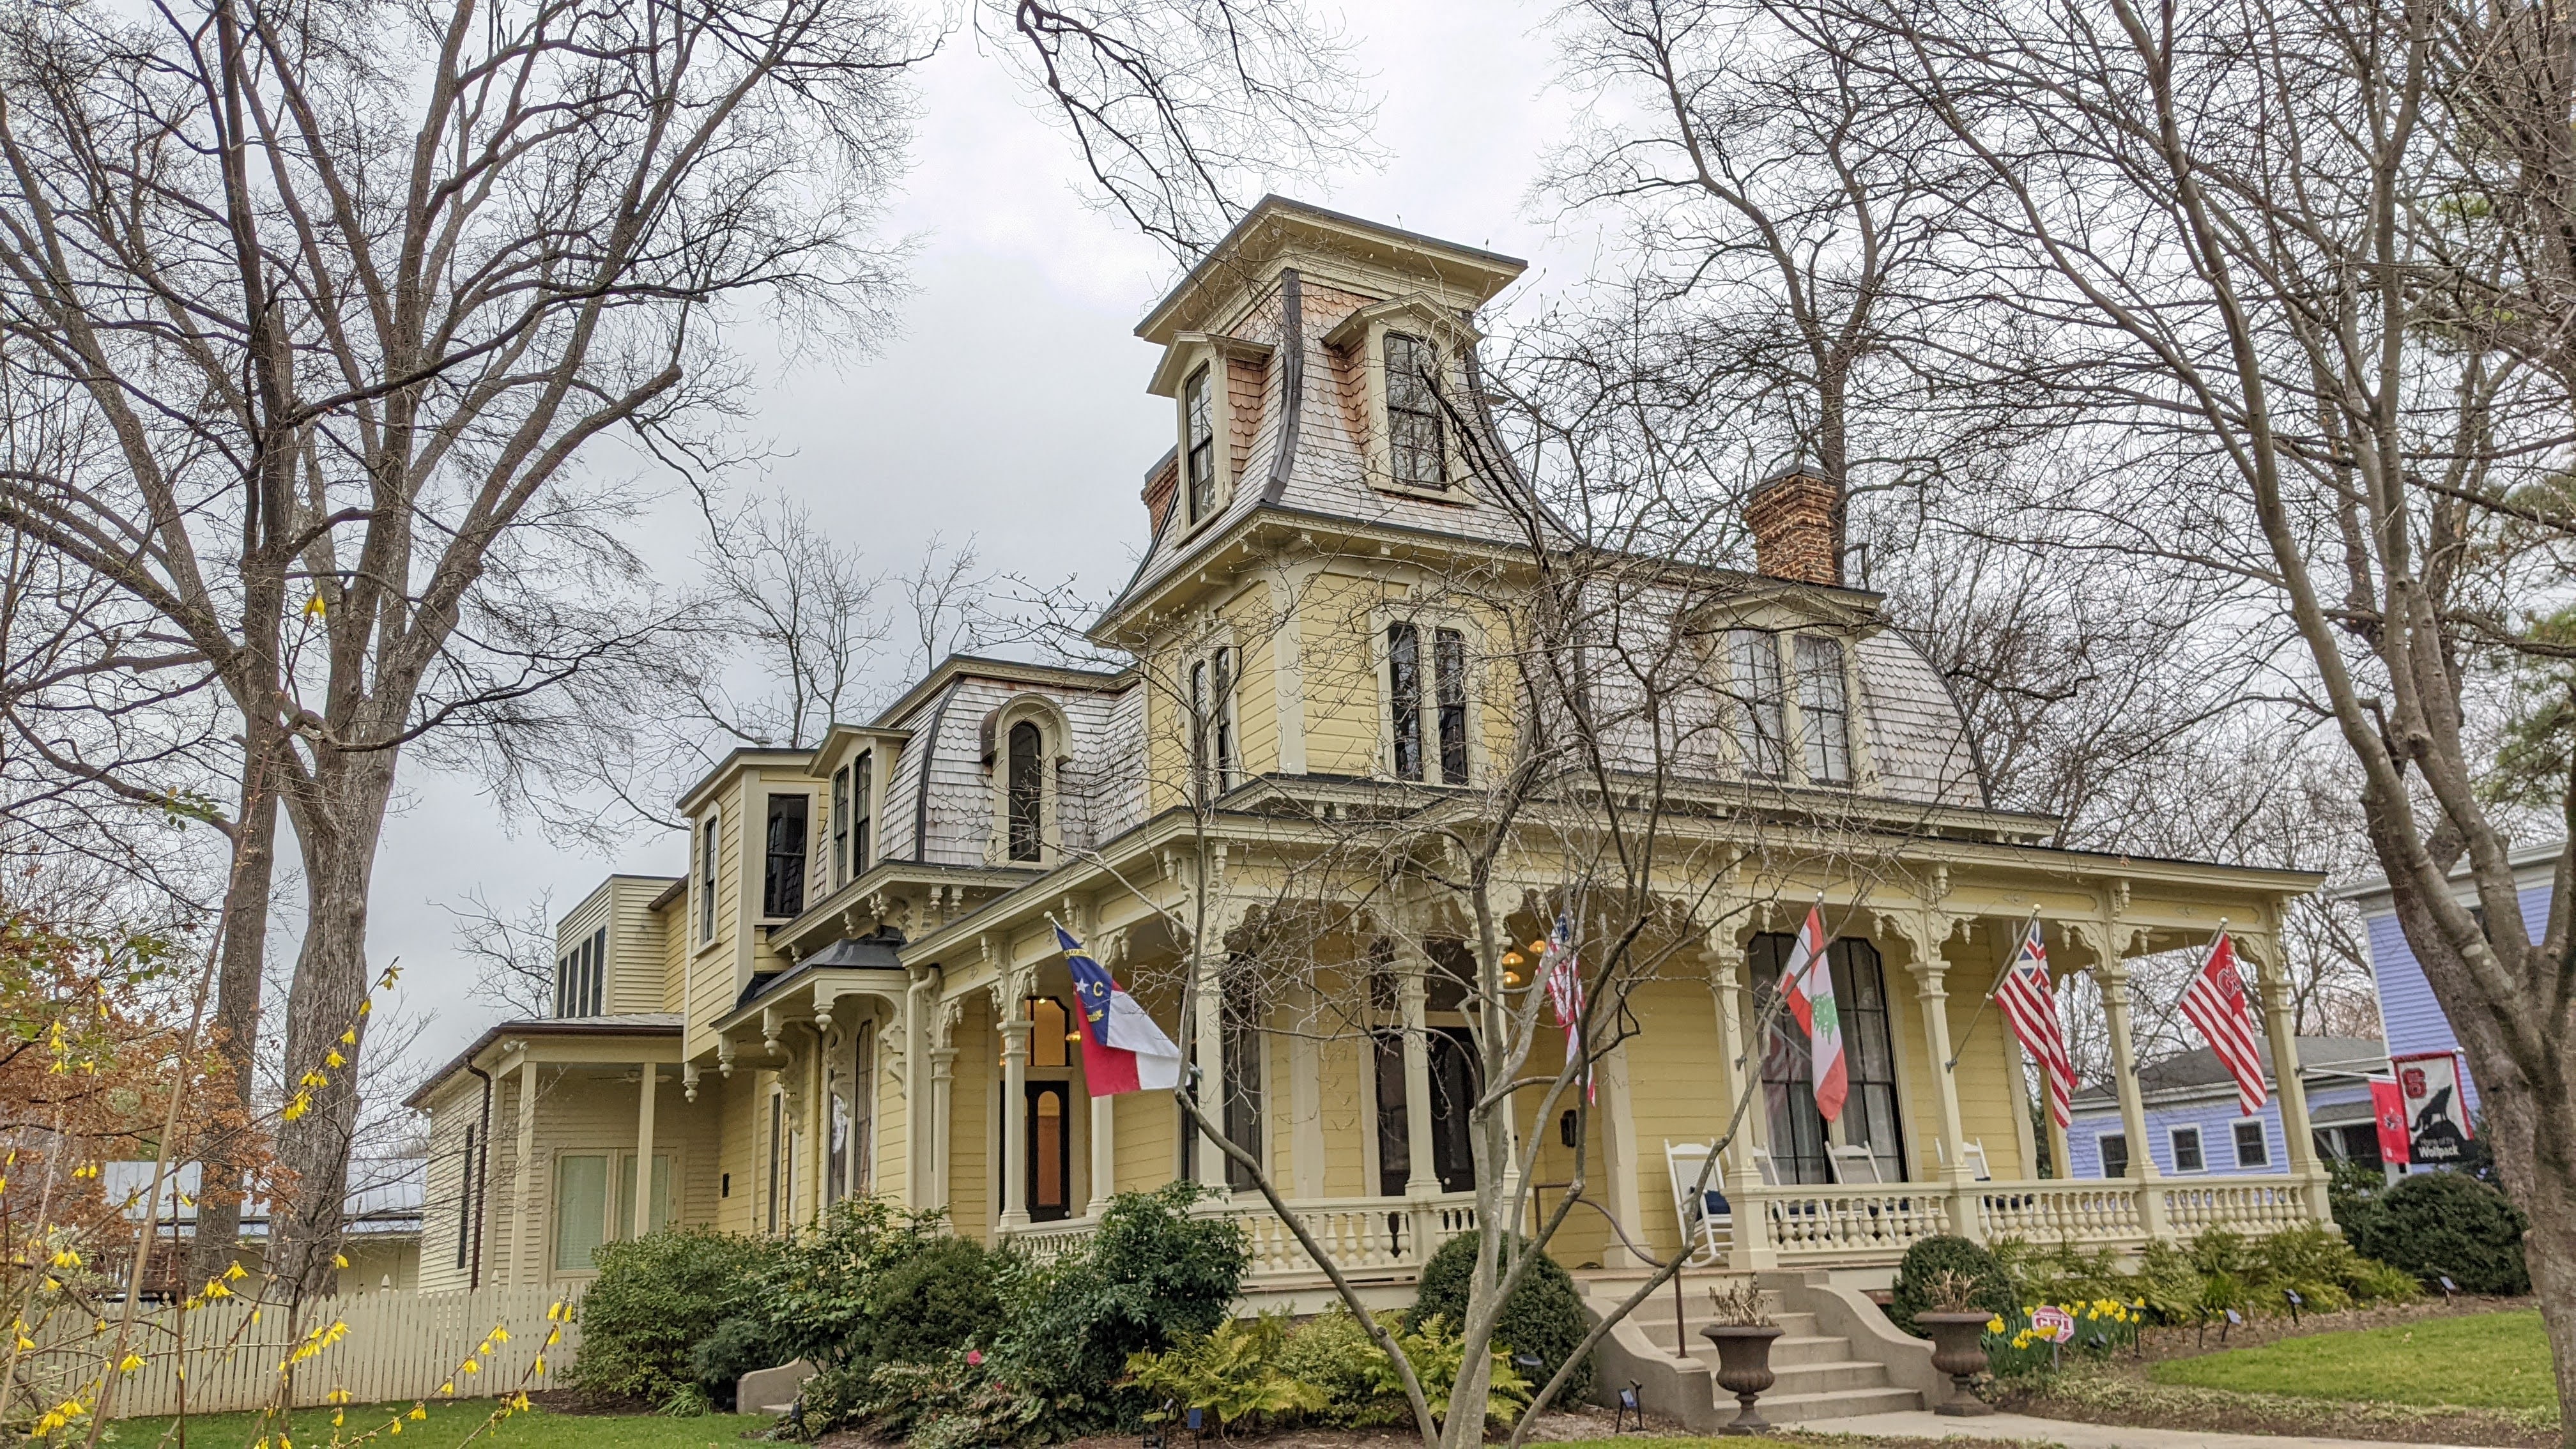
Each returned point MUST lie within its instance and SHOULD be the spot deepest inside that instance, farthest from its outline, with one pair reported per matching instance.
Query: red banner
(2388, 1110)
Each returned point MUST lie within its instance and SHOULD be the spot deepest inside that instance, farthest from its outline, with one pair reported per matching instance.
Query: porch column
(1422, 1178)
(1008, 1193)
(1104, 1155)
(527, 1258)
(1740, 1065)
(2113, 977)
(1208, 1030)
(1306, 1108)
(2300, 1141)
(1614, 1126)
(943, 1074)
(652, 1078)
(918, 1010)
(1932, 1003)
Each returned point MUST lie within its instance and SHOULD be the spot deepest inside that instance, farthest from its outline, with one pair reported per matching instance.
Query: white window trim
(705, 878)
(1364, 332)
(1425, 621)
(617, 1209)
(813, 812)
(1232, 703)
(1054, 753)
(2236, 1141)
(2199, 1147)
(1187, 353)
(1793, 717)
(2102, 1155)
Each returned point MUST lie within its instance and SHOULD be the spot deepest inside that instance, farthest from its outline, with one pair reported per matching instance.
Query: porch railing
(1812, 1222)
(2089, 1212)
(1368, 1237)
(2250, 1205)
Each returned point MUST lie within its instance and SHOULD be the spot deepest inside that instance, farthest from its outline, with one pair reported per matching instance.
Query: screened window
(2253, 1149)
(1449, 691)
(840, 825)
(862, 792)
(1416, 451)
(1761, 719)
(1824, 710)
(782, 880)
(1025, 791)
(1201, 463)
(2186, 1150)
(581, 1209)
(2115, 1153)
(1404, 697)
(1799, 1141)
(707, 879)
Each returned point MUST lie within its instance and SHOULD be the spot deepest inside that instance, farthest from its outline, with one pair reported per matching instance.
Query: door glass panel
(1870, 1118)
(581, 1209)
(1050, 1161)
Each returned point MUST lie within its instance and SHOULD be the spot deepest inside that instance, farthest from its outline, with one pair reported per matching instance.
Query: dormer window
(1198, 467)
(1025, 791)
(1417, 450)
(782, 877)
(1824, 710)
(863, 773)
(1761, 715)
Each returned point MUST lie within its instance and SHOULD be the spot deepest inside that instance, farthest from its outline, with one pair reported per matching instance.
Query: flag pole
(2138, 1064)
(1959, 1048)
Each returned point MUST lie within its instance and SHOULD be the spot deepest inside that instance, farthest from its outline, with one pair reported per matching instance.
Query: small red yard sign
(2054, 1322)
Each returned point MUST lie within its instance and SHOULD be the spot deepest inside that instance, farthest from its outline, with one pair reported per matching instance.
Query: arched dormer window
(1024, 792)
(1024, 747)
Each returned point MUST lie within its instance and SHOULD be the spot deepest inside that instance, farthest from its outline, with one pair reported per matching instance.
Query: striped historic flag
(1808, 982)
(2029, 1001)
(1562, 977)
(2215, 1003)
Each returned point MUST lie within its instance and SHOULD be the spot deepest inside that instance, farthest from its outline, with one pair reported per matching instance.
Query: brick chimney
(1792, 518)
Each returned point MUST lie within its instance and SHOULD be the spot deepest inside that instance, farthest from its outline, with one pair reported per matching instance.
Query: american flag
(1562, 976)
(2215, 1003)
(2029, 1001)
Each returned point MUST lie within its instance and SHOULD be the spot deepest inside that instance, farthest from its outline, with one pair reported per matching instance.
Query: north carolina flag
(1808, 982)
(1122, 1049)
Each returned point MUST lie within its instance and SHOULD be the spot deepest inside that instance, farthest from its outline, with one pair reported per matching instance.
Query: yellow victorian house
(855, 988)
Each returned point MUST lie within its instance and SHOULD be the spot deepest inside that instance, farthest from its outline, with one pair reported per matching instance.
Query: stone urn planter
(1959, 1350)
(1744, 1369)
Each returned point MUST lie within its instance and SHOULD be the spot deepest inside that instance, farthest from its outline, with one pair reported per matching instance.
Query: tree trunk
(2533, 1134)
(339, 815)
(239, 969)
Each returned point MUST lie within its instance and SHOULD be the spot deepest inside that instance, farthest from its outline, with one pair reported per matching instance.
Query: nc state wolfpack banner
(2437, 1125)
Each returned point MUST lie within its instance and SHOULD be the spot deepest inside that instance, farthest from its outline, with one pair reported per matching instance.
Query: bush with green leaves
(937, 1301)
(815, 1289)
(2446, 1224)
(1929, 1260)
(1231, 1372)
(1544, 1317)
(1335, 1353)
(959, 1402)
(1438, 1353)
(654, 1299)
(1152, 1275)
(739, 1345)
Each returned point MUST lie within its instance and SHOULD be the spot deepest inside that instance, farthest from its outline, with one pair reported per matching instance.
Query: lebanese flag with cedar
(1808, 983)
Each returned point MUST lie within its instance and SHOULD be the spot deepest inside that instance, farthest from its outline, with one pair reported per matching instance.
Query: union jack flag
(2029, 1001)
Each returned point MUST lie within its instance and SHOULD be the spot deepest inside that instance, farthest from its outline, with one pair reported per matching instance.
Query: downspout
(480, 1167)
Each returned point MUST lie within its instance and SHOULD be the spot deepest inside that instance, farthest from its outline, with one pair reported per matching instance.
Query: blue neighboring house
(2409, 1015)
(2195, 1128)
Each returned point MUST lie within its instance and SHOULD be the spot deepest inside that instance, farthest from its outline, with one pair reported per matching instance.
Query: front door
(1050, 1177)
(1454, 1078)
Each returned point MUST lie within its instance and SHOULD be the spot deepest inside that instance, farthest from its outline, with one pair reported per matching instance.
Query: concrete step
(1658, 1328)
(1827, 1378)
(1832, 1404)
(1786, 1351)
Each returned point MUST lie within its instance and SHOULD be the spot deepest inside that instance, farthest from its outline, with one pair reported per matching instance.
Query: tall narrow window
(563, 985)
(707, 878)
(1239, 1018)
(836, 1138)
(1449, 687)
(1211, 682)
(1222, 722)
(1404, 697)
(840, 825)
(581, 1210)
(777, 1157)
(2114, 1147)
(862, 795)
(863, 1112)
(598, 973)
(1414, 437)
(1761, 722)
(1026, 792)
(1201, 462)
(465, 1200)
(1798, 1144)
(782, 880)
(1824, 710)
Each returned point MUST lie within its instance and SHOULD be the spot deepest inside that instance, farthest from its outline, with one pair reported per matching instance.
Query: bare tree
(513, 952)
(2279, 270)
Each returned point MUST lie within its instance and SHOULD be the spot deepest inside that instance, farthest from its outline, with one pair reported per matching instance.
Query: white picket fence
(388, 1347)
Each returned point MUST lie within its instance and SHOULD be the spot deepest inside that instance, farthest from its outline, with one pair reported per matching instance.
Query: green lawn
(2486, 1361)
(449, 1423)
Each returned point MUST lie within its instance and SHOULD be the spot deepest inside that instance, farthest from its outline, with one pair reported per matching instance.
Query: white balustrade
(1364, 1237)
(2249, 1205)
(1871, 1221)
(2095, 1211)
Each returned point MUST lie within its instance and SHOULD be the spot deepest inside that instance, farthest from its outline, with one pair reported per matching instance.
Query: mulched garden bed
(2118, 1391)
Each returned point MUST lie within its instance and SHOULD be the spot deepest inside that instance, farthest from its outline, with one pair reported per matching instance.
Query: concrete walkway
(1924, 1424)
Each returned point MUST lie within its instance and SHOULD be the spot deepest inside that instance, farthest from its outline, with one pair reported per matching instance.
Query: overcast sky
(1012, 405)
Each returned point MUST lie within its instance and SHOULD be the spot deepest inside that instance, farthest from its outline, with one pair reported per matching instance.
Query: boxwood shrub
(1931, 1257)
(655, 1298)
(1544, 1317)
(2445, 1224)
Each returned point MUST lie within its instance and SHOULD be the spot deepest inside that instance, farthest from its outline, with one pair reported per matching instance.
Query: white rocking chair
(1700, 1220)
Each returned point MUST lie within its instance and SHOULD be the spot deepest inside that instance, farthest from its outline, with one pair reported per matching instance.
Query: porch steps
(1820, 1376)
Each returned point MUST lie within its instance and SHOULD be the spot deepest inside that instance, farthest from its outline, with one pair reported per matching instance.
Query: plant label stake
(2295, 1300)
(2448, 1287)
(1627, 1407)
